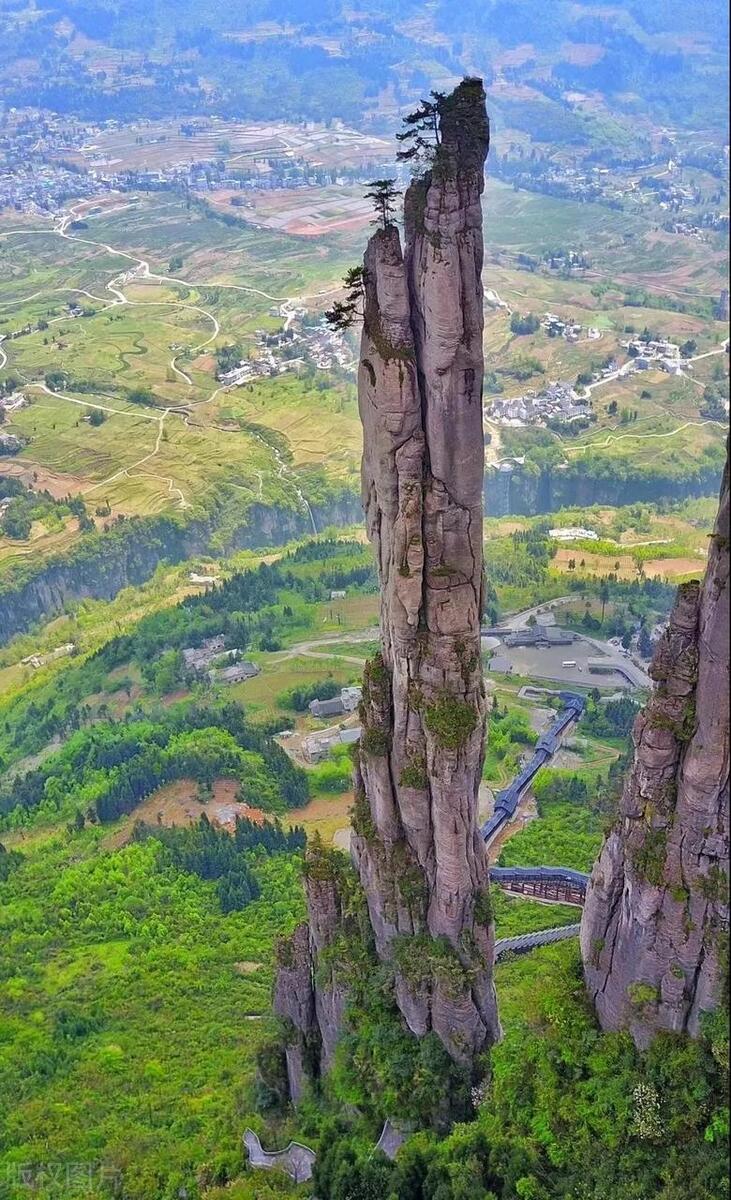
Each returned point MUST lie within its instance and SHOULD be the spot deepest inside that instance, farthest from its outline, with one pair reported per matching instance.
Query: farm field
(304, 212)
(159, 286)
(156, 144)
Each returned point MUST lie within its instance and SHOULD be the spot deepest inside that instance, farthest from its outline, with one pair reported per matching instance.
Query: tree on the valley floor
(345, 312)
(644, 642)
(140, 395)
(420, 139)
(604, 596)
(383, 193)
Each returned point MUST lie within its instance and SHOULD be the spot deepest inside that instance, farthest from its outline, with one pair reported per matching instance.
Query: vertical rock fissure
(657, 904)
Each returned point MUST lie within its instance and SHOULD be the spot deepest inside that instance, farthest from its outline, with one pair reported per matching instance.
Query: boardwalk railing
(528, 941)
(545, 883)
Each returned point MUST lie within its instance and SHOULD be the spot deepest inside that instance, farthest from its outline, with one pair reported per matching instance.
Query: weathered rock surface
(294, 1003)
(308, 996)
(416, 846)
(656, 911)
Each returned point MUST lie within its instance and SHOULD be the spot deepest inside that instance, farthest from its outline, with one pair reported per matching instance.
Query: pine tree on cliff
(654, 933)
(421, 138)
(344, 313)
(383, 195)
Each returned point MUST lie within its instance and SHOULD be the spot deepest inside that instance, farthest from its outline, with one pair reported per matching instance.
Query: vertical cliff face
(656, 914)
(416, 846)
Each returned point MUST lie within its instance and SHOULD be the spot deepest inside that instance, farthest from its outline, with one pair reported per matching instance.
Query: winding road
(141, 272)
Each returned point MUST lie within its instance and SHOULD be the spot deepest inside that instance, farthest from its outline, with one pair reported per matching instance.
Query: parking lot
(546, 662)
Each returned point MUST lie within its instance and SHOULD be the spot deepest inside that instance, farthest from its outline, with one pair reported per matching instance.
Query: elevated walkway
(529, 941)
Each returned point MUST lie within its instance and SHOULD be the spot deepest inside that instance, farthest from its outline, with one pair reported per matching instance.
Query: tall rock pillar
(656, 915)
(416, 844)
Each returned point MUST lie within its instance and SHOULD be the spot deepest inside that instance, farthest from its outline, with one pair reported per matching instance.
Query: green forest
(136, 1035)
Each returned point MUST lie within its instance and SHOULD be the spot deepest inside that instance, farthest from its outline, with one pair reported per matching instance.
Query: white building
(573, 533)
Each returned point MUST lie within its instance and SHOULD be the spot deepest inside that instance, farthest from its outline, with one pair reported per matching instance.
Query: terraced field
(159, 284)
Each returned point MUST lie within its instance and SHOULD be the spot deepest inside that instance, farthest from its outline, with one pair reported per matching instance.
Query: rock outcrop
(415, 844)
(656, 915)
(308, 997)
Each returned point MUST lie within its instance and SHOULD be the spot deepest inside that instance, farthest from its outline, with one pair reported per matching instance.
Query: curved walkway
(296, 1160)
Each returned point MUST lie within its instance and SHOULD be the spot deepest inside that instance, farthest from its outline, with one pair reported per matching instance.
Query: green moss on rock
(413, 774)
(483, 907)
(649, 857)
(374, 742)
(452, 721)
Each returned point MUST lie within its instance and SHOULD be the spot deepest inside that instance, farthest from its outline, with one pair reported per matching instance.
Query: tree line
(215, 855)
(105, 771)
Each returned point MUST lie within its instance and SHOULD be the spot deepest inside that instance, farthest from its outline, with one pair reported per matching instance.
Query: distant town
(566, 403)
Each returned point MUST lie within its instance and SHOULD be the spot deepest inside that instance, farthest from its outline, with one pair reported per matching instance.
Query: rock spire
(656, 915)
(416, 845)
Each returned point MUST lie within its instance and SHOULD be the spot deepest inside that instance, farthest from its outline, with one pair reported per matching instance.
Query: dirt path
(638, 437)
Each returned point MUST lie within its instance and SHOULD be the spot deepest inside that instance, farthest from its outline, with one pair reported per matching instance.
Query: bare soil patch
(660, 567)
(178, 804)
(328, 815)
(603, 564)
(40, 478)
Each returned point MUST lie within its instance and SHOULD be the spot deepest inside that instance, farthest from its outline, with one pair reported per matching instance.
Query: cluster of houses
(557, 402)
(318, 746)
(285, 351)
(255, 368)
(231, 667)
(573, 533)
(43, 187)
(540, 635)
(658, 355)
(12, 402)
(40, 660)
(570, 330)
(337, 706)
